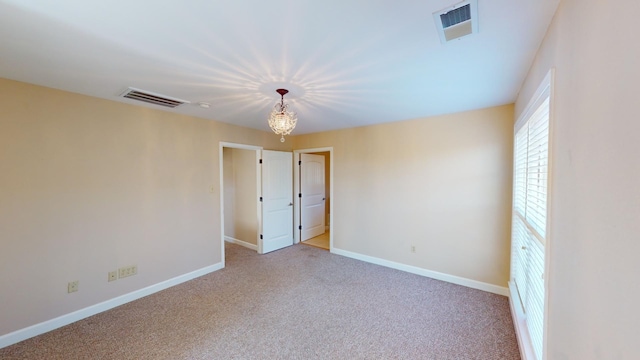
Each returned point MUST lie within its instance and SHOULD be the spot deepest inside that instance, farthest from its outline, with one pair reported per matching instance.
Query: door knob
(290, 204)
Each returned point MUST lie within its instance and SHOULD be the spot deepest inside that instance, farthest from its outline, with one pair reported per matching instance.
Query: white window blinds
(529, 223)
(537, 160)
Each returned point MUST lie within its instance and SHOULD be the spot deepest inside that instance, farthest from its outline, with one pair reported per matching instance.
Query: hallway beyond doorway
(320, 241)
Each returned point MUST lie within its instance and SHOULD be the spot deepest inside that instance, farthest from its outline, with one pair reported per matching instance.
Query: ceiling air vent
(457, 21)
(152, 98)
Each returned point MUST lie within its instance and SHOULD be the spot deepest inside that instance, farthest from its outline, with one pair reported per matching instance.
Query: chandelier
(281, 120)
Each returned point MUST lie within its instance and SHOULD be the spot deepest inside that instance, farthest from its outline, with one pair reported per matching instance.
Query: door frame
(296, 190)
(258, 152)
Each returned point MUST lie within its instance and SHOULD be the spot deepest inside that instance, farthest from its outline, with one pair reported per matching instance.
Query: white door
(277, 200)
(312, 203)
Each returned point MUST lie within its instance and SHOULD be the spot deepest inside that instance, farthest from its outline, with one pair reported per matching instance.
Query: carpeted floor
(296, 303)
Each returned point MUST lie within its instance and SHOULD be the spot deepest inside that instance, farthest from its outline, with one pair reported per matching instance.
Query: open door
(277, 200)
(312, 203)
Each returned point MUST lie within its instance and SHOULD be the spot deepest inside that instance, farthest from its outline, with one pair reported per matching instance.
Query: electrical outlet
(127, 271)
(113, 275)
(73, 286)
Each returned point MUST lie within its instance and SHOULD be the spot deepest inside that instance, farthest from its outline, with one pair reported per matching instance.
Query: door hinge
(299, 162)
(260, 198)
(260, 161)
(299, 227)
(260, 236)
(299, 195)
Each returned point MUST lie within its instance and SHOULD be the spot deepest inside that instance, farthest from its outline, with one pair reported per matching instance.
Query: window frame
(544, 91)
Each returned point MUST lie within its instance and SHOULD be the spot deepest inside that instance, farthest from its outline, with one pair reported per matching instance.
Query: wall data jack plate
(73, 286)
(113, 275)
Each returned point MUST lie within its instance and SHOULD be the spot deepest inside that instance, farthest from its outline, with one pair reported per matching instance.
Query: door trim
(258, 151)
(296, 190)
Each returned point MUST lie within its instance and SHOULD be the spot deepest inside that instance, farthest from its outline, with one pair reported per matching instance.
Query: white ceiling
(346, 63)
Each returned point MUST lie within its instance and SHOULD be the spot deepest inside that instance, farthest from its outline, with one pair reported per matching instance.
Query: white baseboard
(424, 272)
(43, 327)
(241, 243)
(519, 322)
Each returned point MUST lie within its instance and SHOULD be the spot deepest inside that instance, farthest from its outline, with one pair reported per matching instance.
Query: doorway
(256, 197)
(240, 211)
(313, 175)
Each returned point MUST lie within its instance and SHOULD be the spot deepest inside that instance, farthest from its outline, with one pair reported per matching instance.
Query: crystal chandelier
(281, 120)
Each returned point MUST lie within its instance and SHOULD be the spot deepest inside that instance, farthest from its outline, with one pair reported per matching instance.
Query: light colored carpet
(296, 303)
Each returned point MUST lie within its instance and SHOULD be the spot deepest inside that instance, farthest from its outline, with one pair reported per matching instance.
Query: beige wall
(442, 184)
(593, 288)
(241, 198)
(89, 185)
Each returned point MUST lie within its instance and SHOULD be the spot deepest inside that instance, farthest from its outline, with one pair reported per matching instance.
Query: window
(529, 224)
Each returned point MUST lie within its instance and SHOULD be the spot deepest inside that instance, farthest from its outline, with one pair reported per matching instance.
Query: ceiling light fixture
(281, 120)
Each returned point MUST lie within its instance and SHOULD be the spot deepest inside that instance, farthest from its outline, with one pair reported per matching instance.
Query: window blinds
(528, 239)
(537, 160)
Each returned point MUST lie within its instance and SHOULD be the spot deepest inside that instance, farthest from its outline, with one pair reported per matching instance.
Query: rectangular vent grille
(456, 16)
(152, 98)
(457, 21)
